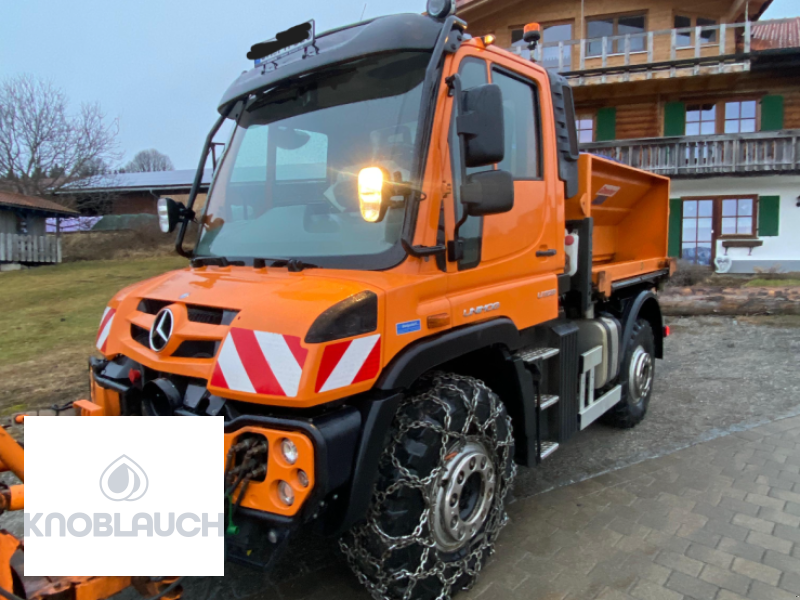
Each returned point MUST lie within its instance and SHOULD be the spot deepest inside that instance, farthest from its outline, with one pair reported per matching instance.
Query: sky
(161, 66)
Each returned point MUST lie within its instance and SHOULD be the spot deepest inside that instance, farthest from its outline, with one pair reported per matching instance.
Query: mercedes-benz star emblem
(161, 330)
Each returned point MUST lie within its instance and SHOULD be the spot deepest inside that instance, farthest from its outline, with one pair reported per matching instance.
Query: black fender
(428, 353)
(645, 305)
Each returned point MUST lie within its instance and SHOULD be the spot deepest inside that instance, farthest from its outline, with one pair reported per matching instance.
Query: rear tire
(439, 502)
(637, 373)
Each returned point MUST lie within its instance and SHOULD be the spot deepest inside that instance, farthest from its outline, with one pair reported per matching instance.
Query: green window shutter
(769, 215)
(674, 118)
(675, 224)
(606, 124)
(771, 113)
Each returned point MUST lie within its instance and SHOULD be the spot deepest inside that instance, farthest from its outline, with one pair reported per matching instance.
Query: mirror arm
(198, 178)
(455, 247)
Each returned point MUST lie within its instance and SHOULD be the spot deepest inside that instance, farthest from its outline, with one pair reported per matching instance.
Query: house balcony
(668, 53)
(766, 153)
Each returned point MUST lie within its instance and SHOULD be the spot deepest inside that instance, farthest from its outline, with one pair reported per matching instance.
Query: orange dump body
(630, 211)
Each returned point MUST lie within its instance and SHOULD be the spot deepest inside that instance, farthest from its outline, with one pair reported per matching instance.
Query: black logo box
(64, 460)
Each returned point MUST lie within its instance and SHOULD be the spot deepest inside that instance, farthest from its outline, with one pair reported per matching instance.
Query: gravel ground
(720, 374)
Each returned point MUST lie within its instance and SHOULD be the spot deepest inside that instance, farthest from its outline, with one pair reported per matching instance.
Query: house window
(585, 126)
(516, 35)
(738, 216)
(686, 38)
(615, 26)
(740, 117)
(697, 231)
(701, 119)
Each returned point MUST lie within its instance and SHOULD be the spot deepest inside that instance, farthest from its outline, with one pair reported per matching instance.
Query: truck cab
(404, 283)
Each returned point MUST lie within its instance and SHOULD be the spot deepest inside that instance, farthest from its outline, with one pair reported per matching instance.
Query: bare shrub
(689, 274)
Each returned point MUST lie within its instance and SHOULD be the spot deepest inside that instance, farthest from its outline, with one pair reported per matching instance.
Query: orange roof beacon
(407, 282)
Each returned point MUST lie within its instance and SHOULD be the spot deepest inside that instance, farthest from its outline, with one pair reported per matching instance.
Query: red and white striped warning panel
(349, 362)
(105, 328)
(260, 362)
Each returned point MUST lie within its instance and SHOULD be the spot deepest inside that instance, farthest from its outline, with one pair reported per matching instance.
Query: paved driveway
(645, 519)
(694, 502)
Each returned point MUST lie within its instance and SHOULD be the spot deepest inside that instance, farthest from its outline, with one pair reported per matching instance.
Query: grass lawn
(49, 321)
(758, 282)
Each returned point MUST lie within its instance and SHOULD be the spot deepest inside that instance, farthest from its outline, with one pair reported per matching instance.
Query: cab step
(547, 400)
(548, 448)
(535, 354)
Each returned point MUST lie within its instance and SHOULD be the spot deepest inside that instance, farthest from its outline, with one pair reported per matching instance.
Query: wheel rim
(464, 494)
(640, 378)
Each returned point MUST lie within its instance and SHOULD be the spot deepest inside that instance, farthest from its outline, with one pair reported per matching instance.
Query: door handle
(546, 252)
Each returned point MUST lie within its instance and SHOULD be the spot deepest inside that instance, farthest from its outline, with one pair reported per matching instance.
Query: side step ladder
(546, 403)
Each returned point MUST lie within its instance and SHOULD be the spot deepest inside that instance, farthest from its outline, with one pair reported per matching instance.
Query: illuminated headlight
(285, 493)
(289, 451)
(370, 194)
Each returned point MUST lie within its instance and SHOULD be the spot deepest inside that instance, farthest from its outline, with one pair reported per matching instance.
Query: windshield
(287, 187)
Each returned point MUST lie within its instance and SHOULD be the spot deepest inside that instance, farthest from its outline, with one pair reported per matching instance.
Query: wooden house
(704, 92)
(23, 233)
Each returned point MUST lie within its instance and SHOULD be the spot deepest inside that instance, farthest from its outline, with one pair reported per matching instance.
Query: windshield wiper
(294, 265)
(217, 261)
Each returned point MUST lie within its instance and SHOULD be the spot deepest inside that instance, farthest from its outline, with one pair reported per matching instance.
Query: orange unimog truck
(404, 283)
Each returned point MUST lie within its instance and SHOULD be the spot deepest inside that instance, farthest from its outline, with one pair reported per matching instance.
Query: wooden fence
(29, 248)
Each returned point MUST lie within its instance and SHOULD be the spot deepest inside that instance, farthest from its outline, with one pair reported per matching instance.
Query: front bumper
(336, 452)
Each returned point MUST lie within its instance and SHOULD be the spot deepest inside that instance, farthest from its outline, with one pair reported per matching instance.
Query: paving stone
(759, 591)
(770, 542)
(781, 561)
(692, 587)
(709, 556)
(753, 523)
(726, 579)
(767, 501)
(644, 590)
(727, 529)
(756, 570)
(742, 550)
(790, 582)
(679, 562)
(779, 517)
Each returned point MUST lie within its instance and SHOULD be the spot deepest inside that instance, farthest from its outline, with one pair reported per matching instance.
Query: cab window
(520, 116)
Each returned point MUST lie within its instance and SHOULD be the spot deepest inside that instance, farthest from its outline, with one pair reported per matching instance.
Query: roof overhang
(43, 211)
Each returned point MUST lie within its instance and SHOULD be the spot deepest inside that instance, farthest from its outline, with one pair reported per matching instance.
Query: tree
(44, 147)
(149, 160)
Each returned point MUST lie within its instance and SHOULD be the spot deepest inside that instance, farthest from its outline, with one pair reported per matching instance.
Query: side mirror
(480, 125)
(488, 193)
(169, 214)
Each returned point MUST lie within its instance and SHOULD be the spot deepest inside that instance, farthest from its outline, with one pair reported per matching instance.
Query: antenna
(363, 11)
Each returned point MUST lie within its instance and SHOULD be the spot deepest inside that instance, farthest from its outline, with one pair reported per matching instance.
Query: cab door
(511, 258)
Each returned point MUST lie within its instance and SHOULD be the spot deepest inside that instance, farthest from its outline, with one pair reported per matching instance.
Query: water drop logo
(123, 479)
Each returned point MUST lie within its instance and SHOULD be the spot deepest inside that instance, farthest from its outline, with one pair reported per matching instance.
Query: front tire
(637, 374)
(439, 502)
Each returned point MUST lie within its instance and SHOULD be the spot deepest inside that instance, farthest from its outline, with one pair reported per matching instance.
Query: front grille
(141, 335)
(196, 349)
(196, 313)
(150, 306)
(210, 315)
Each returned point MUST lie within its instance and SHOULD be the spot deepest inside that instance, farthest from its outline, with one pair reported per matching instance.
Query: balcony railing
(729, 154)
(668, 50)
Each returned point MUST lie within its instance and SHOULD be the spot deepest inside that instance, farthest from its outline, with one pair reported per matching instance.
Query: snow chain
(356, 543)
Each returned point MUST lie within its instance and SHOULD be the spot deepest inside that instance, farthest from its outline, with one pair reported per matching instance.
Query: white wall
(781, 251)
